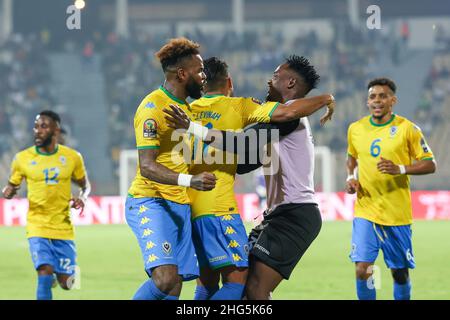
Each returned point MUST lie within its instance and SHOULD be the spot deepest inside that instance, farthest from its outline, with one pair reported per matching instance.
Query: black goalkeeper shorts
(284, 236)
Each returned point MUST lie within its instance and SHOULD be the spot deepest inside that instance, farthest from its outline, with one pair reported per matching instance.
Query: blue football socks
(44, 288)
(364, 291)
(402, 291)
(204, 293)
(229, 291)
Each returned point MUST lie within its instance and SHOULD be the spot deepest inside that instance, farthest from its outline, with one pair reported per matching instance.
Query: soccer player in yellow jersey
(219, 235)
(385, 148)
(48, 169)
(157, 207)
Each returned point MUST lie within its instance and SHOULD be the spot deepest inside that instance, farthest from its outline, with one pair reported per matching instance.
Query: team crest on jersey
(246, 249)
(167, 247)
(393, 130)
(150, 129)
(33, 163)
(63, 160)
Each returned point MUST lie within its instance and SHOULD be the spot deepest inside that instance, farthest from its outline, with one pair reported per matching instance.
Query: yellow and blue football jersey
(48, 179)
(385, 199)
(152, 132)
(222, 113)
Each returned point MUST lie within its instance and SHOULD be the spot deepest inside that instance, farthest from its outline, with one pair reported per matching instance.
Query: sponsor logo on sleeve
(424, 145)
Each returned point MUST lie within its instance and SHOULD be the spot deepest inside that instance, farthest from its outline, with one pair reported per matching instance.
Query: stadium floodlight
(80, 4)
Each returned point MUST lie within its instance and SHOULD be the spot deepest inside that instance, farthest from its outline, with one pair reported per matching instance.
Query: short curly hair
(382, 82)
(175, 50)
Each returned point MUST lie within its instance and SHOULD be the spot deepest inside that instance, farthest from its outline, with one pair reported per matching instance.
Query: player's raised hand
(176, 117)
(204, 181)
(388, 167)
(352, 186)
(330, 110)
(9, 191)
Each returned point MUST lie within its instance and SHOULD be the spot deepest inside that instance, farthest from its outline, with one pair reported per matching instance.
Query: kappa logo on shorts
(150, 129)
(147, 232)
(227, 217)
(145, 220)
(230, 230)
(142, 209)
(152, 258)
(237, 257)
(149, 245)
(233, 244)
(167, 247)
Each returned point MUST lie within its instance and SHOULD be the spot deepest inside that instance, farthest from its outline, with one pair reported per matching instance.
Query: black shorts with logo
(284, 236)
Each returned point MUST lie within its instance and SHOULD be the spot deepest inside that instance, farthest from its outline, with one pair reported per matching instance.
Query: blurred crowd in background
(130, 70)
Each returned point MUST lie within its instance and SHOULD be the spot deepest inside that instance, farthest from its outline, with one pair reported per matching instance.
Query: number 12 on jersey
(51, 175)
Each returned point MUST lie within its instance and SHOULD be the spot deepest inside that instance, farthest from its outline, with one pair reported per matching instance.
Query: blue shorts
(220, 241)
(395, 242)
(164, 232)
(60, 254)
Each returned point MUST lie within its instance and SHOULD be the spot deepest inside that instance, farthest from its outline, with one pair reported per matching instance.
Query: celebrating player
(49, 169)
(292, 220)
(219, 234)
(381, 147)
(157, 208)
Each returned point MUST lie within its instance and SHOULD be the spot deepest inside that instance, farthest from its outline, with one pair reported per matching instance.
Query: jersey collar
(383, 124)
(171, 96)
(213, 95)
(47, 154)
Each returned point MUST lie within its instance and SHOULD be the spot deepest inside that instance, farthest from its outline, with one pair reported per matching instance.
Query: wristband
(198, 130)
(184, 180)
(402, 169)
(350, 177)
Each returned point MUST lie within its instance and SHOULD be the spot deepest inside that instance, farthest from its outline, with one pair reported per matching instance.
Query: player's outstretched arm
(155, 171)
(419, 168)
(352, 185)
(304, 107)
(10, 190)
(177, 119)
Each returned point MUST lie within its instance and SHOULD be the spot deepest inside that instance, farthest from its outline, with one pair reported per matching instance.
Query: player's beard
(273, 95)
(194, 89)
(46, 142)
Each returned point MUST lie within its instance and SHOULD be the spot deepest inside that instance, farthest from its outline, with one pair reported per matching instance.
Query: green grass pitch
(111, 266)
